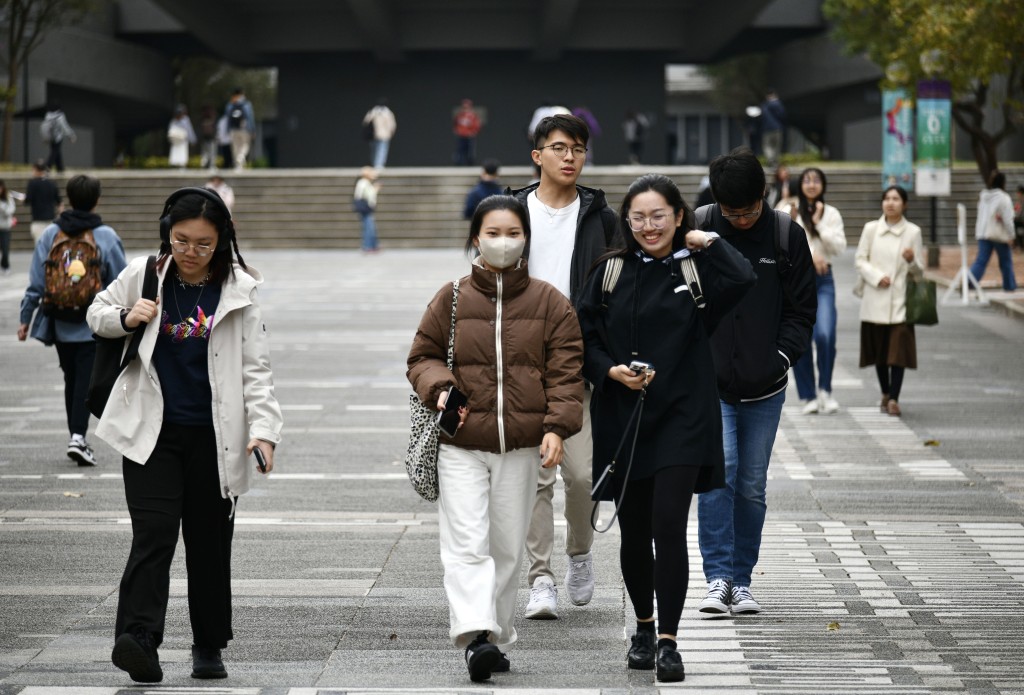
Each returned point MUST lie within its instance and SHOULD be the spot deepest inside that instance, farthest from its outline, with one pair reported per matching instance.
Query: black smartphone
(261, 462)
(448, 419)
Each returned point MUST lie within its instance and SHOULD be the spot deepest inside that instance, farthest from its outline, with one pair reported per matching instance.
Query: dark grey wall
(322, 101)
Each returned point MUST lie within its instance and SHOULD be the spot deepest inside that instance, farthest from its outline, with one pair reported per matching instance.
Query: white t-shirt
(552, 240)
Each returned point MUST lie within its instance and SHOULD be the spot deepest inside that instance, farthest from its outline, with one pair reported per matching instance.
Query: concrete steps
(421, 207)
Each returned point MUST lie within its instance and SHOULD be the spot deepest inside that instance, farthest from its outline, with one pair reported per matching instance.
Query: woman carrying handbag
(517, 358)
(890, 250)
(655, 314)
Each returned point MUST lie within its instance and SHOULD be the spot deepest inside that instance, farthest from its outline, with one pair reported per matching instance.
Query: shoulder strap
(782, 262)
(612, 270)
(692, 279)
(149, 283)
(703, 216)
(451, 330)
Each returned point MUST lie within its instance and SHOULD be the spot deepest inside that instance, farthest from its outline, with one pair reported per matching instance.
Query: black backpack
(236, 117)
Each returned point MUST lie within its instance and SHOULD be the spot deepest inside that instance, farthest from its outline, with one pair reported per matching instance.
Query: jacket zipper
(501, 370)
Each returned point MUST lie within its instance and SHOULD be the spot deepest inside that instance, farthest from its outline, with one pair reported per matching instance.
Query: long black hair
(194, 206)
(806, 207)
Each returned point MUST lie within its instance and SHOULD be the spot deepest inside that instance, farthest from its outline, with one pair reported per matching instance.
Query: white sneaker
(743, 602)
(543, 603)
(80, 451)
(716, 603)
(828, 404)
(579, 579)
(810, 407)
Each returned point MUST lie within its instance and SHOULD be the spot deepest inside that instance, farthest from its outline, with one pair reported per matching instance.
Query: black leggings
(890, 379)
(657, 508)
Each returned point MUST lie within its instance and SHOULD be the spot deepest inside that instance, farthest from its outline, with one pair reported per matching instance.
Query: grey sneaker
(742, 602)
(579, 579)
(716, 602)
(543, 603)
(80, 451)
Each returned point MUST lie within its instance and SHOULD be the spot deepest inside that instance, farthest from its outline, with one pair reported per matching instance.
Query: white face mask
(501, 252)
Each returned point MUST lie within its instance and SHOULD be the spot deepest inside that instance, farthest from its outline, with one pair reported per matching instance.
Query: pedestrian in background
(634, 130)
(1018, 217)
(43, 199)
(380, 123)
(780, 193)
(208, 136)
(241, 124)
(827, 239)
(572, 226)
(773, 127)
(218, 185)
(678, 440)
(488, 471)
(466, 125)
(994, 231)
(180, 135)
(890, 249)
(196, 403)
(587, 116)
(364, 201)
(754, 347)
(71, 335)
(488, 185)
(54, 130)
(7, 208)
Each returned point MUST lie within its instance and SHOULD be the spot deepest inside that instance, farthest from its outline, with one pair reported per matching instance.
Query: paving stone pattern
(888, 566)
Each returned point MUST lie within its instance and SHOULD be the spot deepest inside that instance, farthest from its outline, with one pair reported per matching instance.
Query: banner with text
(934, 114)
(897, 139)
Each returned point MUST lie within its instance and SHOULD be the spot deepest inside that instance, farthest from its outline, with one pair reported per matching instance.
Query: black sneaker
(135, 653)
(503, 666)
(481, 658)
(206, 663)
(670, 664)
(641, 654)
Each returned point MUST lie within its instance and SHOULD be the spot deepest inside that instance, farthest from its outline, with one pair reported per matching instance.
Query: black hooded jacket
(74, 222)
(596, 233)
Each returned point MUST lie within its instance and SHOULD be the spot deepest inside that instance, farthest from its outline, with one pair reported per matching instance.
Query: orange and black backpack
(74, 275)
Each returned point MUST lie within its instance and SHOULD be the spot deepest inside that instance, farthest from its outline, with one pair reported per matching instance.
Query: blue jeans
(730, 519)
(369, 232)
(824, 341)
(379, 153)
(985, 248)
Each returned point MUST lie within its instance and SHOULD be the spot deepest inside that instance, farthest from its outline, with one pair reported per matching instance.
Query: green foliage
(739, 82)
(978, 45)
(203, 82)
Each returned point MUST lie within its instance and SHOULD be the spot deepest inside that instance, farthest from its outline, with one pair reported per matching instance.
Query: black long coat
(648, 318)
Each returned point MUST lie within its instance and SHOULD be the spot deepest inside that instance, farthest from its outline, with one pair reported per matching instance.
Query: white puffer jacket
(244, 404)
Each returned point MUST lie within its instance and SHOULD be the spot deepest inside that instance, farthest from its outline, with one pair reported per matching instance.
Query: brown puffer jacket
(538, 387)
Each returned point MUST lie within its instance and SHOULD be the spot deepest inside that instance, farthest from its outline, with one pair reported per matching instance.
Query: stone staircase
(421, 207)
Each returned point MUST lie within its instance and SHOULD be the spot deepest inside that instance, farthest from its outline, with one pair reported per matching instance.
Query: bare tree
(25, 23)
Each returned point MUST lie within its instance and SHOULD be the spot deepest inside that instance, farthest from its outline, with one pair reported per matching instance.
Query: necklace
(184, 283)
(174, 290)
(552, 213)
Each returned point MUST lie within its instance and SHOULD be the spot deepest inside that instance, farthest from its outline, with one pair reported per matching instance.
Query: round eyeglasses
(182, 247)
(657, 221)
(560, 149)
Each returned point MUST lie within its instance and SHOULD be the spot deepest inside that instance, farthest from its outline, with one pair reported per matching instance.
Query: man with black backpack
(75, 258)
(754, 346)
(241, 123)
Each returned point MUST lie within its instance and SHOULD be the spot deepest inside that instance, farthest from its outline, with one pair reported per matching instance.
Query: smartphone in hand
(261, 462)
(448, 419)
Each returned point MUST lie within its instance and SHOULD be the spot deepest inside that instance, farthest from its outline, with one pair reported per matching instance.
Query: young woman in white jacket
(827, 239)
(889, 250)
(994, 231)
(186, 415)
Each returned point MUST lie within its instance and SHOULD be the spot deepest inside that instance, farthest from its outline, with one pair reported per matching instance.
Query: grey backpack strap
(702, 217)
(692, 278)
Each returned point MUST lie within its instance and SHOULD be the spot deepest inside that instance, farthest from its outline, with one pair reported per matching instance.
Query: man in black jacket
(570, 227)
(754, 347)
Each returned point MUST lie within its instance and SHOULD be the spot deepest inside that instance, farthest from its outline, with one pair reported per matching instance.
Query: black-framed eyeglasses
(560, 148)
(182, 247)
(743, 215)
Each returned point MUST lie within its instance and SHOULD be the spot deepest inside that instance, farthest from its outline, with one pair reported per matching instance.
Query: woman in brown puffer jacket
(518, 359)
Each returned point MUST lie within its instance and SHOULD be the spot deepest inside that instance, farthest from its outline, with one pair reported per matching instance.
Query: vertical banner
(933, 138)
(897, 139)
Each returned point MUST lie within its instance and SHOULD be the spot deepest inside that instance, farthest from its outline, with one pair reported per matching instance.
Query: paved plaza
(893, 556)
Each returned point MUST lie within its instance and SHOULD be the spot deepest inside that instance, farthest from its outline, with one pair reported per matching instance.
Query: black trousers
(76, 362)
(657, 508)
(56, 157)
(179, 485)
(5, 248)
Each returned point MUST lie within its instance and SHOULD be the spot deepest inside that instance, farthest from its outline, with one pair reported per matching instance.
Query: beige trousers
(576, 474)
